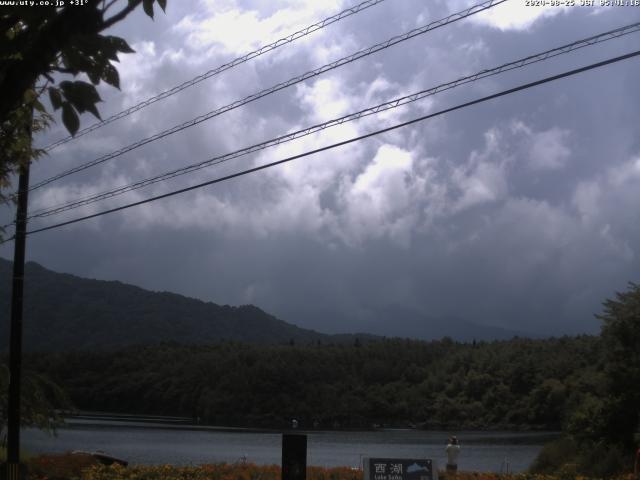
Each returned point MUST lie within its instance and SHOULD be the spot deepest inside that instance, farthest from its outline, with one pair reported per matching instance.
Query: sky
(516, 213)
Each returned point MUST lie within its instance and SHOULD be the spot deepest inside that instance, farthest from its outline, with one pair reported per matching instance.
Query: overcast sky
(520, 212)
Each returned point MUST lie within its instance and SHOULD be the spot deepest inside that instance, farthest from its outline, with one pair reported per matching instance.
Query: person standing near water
(453, 450)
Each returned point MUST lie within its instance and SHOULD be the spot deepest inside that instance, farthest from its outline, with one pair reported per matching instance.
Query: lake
(143, 443)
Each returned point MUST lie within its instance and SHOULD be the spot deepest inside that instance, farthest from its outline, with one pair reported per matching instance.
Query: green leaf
(120, 44)
(147, 6)
(94, 111)
(108, 49)
(38, 106)
(82, 95)
(163, 5)
(55, 97)
(30, 95)
(111, 76)
(70, 118)
(75, 60)
(94, 75)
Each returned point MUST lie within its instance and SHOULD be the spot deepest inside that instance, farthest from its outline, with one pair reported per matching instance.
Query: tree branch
(40, 89)
(63, 70)
(108, 6)
(121, 14)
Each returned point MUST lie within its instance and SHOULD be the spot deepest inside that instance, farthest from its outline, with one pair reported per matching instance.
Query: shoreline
(118, 420)
(515, 436)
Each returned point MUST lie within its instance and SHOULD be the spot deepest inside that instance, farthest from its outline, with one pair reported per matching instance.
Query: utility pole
(13, 469)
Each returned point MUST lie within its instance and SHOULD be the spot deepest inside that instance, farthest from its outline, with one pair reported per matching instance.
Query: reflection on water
(168, 444)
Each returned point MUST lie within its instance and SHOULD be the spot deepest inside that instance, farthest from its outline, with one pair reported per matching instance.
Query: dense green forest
(519, 383)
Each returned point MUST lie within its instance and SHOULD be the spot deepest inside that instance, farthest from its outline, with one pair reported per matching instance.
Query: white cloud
(586, 199)
(225, 24)
(618, 185)
(382, 200)
(483, 179)
(545, 150)
(417, 193)
(483, 183)
(626, 173)
(549, 150)
(607, 204)
(516, 15)
(324, 99)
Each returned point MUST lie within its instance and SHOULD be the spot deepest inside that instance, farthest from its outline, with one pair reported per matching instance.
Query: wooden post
(13, 469)
(294, 457)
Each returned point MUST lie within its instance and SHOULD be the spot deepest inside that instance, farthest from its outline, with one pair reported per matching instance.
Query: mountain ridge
(68, 312)
(65, 311)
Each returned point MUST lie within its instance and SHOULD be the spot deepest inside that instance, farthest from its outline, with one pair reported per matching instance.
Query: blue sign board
(399, 469)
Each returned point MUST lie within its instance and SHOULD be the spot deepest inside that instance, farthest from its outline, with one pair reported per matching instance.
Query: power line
(313, 73)
(233, 63)
(603, 37)
(342, 143)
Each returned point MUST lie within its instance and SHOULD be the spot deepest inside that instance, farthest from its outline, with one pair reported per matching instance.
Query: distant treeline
(521, 383)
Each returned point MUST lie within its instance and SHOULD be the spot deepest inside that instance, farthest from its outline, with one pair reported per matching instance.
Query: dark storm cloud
(516, 213)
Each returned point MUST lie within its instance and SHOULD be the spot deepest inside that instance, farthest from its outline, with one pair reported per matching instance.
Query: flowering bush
(59, 467)
(79, 467)
(521, 476)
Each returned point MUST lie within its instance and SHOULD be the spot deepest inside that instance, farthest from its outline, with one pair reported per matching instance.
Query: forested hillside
(519, 383)
(67, 312)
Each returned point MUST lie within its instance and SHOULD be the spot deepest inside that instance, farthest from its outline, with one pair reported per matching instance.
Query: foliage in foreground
(582, 458)
(42, 45)
(40, 400)
(24, 454)
(237, 472)
(58, 467)
(621, 337)
(66, 466)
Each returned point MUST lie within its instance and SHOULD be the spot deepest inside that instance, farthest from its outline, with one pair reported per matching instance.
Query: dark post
(294, 457)
(14, 471)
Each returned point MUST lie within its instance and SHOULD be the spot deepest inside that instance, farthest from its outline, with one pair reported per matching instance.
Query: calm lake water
(166, 444)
